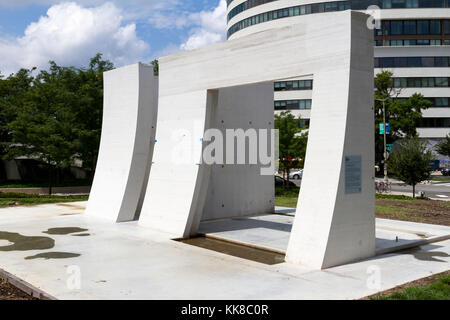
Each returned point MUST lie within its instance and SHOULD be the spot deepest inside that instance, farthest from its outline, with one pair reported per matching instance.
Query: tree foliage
(12, 93)
(403, 115)
(54, 117)
(443, 147)
(155, 64)
(292, 141)
(410, 161)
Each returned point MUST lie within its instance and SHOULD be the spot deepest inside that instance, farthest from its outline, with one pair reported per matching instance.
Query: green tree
(292, 142)
(443, 147)
(12, 91)
(89, 111)
(410, 162)
(60, 119)
(155, 64)
(42, 129)
(403, 115)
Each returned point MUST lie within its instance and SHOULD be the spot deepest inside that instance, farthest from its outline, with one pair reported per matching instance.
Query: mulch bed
(418, 283)
(423, 211)
(9, 292)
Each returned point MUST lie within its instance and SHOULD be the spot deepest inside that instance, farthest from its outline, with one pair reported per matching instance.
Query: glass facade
(352, 4)
(412, 62)
(426, 27)
(293, 104)
(409, 42)
(434, 123)
(436, 102)
(293, 85)
(421, 82)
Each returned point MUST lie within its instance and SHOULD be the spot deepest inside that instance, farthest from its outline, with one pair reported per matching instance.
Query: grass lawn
(434, 288)
(15, 199)
(21, 184)
(441, 179)
(286, 197)
(388, 207)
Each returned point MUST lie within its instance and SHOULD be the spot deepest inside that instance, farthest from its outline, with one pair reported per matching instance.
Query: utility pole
(386, 180)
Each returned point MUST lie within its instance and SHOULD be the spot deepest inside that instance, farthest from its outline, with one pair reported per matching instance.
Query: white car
(296, 174)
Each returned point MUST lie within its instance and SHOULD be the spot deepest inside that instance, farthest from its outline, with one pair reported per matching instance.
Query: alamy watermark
(227, 147)
(374, 21)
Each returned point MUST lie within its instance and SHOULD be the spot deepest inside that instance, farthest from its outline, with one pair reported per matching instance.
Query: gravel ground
(9, 292)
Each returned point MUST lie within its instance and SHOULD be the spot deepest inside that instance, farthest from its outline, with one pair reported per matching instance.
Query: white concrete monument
(225, 86)
(126, 147)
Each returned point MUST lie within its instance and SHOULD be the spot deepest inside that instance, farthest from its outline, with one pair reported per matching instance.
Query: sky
(33, 32)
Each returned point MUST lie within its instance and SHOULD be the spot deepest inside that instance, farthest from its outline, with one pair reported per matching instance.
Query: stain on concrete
(54, 255)
(424, 255)
(64, 231)
(23, 243)
(73, 206)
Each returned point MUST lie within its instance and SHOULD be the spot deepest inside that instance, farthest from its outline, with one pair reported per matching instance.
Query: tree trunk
(414, 191)
(50, 182)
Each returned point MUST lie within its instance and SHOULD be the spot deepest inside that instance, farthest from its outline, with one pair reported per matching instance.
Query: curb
(25, 286)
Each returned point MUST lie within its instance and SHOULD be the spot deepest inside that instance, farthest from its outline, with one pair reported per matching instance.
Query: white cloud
(206, 27)
(211, 29)
(71, 34)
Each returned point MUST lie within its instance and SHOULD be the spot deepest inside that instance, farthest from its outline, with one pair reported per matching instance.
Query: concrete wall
(241, 190)
(129, 124)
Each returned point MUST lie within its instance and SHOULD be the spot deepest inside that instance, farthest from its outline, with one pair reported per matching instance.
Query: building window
(304, 123)
(293, 85)
(410, 27)
(426, 82)
(423, 27)
(441, 102)
(434, 123)
(442, 82)
(447, 27)
(293, 104)
(435, 27)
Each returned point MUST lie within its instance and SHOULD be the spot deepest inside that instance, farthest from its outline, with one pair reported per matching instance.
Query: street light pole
(386, 179)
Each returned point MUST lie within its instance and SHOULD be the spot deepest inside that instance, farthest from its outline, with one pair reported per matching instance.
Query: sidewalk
(401, 183)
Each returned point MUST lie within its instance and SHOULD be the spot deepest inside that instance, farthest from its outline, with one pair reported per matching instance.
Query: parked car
(296, 174)
(445, 171)
(279, 182)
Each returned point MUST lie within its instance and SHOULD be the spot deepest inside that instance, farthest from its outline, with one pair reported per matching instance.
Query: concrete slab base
(272, 232)
(127, 261)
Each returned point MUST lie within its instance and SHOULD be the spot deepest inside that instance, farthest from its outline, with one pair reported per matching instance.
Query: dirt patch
(9, 292)
(64, 231)
(424, 211)
(72, 206)
(418, 283)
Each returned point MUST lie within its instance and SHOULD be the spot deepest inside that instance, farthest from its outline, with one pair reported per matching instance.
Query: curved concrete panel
(126, 148)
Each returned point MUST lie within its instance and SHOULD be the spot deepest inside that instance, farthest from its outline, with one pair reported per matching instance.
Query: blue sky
(32, 32)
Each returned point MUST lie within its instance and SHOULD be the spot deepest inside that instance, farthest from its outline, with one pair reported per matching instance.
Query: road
(438, 191)
(435, 191)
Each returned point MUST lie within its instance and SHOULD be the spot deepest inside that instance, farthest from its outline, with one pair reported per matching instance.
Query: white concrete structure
(182, 190)
(129, 125)
(335, 225)
(430, 39)
(128, 261)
